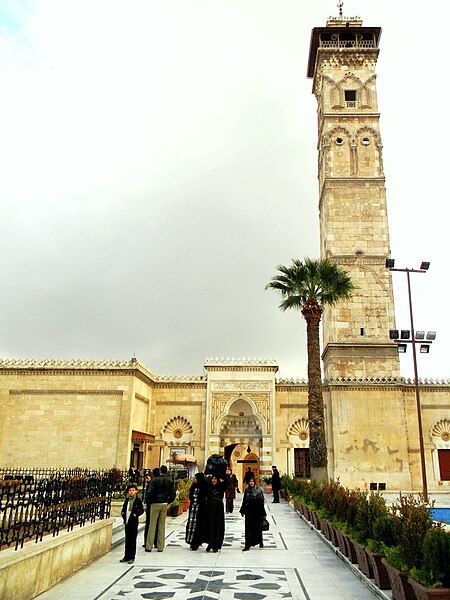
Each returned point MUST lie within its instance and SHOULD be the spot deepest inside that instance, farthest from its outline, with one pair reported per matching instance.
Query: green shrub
(435, 568)
(413, 522)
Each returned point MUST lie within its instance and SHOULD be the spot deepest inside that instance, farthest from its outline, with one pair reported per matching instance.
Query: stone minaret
(352, 198)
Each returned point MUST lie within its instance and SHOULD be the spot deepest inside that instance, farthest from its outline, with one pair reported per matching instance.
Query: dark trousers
(276, 495)
(229, 505)
(131, 531)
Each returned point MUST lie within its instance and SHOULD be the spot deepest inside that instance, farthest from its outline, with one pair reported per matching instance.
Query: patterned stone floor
(294, 563)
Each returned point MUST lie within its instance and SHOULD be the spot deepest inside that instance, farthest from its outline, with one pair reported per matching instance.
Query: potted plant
(175, 508)
(267, 484)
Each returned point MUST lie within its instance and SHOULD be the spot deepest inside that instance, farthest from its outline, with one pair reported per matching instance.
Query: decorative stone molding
(236, 386)
(179, 402)
(290, 380)
(240, 362)
(299, 428)
(178, 427)
(440, 434)
(142, 398)
(77, 392)
(179, 378)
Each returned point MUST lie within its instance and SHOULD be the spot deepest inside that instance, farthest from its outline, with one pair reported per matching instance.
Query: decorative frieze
(241, 386)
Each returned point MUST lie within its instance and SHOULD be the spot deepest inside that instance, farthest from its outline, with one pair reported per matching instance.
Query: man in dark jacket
(132, 509)
(161, 493)
(276, 485)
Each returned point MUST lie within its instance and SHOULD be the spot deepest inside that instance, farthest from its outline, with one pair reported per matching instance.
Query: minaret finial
(340, 5)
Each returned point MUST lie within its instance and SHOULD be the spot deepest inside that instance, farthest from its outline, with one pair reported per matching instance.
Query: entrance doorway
(250, 460)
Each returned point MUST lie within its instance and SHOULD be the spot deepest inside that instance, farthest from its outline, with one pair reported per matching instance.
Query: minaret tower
(352, 198)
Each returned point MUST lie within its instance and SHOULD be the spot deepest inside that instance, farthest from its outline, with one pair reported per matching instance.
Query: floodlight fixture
(401, 348)
(424, 265)
(431, 335)
(390, 263)
(405, 334)
(420, 335)
(424, 348)
(393, 334)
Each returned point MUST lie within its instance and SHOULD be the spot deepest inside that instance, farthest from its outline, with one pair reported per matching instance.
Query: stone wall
(27, 572)
(59, 418)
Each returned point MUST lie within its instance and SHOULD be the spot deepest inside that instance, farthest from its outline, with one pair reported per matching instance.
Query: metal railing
(347, 44)
(32, 508)
(36, 473)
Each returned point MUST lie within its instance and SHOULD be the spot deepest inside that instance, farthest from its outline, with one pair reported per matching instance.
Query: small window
(350, 98)
(339, 141)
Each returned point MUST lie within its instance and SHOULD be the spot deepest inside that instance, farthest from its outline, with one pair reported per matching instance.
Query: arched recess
(298, 453)
(440, 435)
(177, 430)
(369, 150)
(233, 409)
(338, 162)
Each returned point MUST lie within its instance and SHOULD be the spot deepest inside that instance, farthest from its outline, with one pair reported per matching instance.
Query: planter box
(324, 528)
(267, 489)
(401, 588)
(333, 535)
(380, 573)
(314, 519)
(364, 563)
(341, 541)
(423, 593)
(351, 550)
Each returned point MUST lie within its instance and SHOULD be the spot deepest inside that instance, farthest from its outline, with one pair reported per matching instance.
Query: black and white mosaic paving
(205, 583)
(232, 539)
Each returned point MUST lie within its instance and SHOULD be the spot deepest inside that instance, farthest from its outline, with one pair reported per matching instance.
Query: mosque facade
(61, 413)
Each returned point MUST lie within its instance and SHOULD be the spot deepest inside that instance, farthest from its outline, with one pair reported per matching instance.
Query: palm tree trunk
(312, 313)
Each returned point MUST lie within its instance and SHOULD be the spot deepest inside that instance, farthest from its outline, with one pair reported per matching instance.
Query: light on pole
(413, 338)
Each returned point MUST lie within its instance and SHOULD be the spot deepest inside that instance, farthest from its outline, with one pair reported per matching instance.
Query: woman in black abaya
(253, 510)
(215, 515)
(195, 528)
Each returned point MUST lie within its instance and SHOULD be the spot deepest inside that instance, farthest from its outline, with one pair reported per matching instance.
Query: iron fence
(36, 473)
(32, 508)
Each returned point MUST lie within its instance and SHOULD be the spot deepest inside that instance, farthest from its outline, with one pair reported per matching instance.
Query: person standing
(248, 475)
(132, 509)
(161, 493)
(276, 485)
(230, 491)
(253, 510)
(195, 527)
(215, 516)
(147, 504)
(133, 474)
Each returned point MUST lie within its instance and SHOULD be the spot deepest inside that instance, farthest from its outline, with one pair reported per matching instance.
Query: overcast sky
(158, 160)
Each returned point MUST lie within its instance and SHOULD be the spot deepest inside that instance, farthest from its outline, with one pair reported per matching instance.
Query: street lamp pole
(423, 269)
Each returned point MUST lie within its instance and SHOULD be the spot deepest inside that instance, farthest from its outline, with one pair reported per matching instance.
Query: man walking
(161, 493)
(276, 485)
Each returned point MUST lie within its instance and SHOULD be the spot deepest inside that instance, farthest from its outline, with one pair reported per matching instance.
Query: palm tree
(309, 286)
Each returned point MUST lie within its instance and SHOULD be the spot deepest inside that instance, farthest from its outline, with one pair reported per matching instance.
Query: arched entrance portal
(241, 438)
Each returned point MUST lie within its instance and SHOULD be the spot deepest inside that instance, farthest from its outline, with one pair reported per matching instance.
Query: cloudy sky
(158, 160)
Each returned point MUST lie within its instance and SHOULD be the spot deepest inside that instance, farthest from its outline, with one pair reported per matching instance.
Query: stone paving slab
(294, 564)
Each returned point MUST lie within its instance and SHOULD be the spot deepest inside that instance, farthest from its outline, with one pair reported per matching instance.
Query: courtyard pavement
(295, 563)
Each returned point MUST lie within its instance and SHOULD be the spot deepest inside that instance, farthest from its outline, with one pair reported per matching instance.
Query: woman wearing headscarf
(215, 514)
(195, 528)
(253, 510)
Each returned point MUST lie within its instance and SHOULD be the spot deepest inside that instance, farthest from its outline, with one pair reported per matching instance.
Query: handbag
(264, 524)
